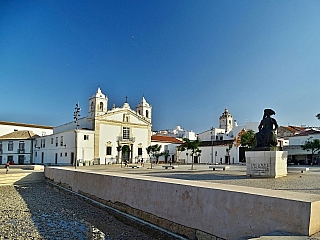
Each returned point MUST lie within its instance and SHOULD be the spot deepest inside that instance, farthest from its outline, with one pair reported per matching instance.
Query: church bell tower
(144, 109)
(98, 104)
(226, 121)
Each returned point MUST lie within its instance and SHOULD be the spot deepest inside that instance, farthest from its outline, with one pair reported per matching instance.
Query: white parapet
(183, 206)
(271, 164)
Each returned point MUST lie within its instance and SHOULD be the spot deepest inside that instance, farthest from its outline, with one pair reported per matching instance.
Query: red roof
(167, 139)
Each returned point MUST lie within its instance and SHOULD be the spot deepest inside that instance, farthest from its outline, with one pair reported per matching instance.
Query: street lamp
(76, 116)
(211, 146)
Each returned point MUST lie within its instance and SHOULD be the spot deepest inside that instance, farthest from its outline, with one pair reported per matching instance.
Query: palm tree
(318, 116)
(154, 150)
(193, 146)
(180, 149)
(119, 150)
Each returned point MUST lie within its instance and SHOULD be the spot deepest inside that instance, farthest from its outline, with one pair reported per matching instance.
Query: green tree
(248, 139)
(180, 149)
(119, 150)
(318, 116)
(154, 150)
(312, 145)
(193, 146)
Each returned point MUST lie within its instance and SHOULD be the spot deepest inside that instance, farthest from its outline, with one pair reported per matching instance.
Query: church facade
(104, 136)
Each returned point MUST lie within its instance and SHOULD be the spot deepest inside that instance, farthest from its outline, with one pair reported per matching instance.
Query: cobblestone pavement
(41, 212)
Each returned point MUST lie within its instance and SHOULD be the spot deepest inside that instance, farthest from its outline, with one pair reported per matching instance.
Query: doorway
(21, 159)
(72, 158)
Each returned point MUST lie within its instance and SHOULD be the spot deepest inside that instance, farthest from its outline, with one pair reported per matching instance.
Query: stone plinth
(272, 164)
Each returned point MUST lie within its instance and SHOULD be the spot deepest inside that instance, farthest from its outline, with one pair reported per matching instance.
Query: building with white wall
(108, 130)
(169, 145)
(9, 127)
(295, 152)
(17, 147)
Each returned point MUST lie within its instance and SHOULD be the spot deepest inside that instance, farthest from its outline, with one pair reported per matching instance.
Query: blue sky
(190, 59)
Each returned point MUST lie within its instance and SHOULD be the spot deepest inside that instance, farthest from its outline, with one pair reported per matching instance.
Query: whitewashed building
(9, 127)
(169, 145)
(100, 135)
(17, 147)
(295, 152)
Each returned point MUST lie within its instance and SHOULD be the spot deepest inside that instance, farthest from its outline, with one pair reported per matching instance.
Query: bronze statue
(266, 137)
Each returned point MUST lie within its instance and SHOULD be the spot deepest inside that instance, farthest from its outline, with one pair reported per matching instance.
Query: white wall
(9, 127)
(61, 155)
(16, 152)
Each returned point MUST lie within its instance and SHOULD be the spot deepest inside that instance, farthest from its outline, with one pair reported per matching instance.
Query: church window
(147, 114)
(101, 106)
(109, 150)
(139, 112)
(126, 133)
(56, 141)
(92, 108)
(61, 141)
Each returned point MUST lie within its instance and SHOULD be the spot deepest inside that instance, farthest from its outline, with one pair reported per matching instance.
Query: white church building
(99, 137)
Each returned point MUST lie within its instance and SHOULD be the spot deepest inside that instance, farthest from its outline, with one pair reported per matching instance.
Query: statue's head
(269, 112)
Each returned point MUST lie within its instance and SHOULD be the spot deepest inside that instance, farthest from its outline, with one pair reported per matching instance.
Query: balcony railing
(21, 150)
(122, 139)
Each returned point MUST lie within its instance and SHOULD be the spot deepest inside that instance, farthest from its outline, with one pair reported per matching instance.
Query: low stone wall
(195, 209)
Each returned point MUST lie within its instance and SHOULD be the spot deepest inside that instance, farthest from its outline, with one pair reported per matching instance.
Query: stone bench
(219, 167)
(167, 167)
(301, 169)
(133, 166)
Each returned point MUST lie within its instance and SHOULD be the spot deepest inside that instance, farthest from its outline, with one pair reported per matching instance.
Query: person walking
(7, 167)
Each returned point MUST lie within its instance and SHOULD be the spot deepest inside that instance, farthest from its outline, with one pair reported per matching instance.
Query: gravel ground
(39, 211)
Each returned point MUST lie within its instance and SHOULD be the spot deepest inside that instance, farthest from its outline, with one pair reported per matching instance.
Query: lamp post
(211, 146)
(76, 116)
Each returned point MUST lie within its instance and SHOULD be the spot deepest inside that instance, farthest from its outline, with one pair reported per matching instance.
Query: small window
(56, 141)
(147, 114)
(85, 137)
(109, 149)
(51, 140)
(10, 146)
(221, 137)
(60, 154)
(36, 154)
(140, 151)
(65, 154)
(61, 141)
(1, 146)
(217, 137)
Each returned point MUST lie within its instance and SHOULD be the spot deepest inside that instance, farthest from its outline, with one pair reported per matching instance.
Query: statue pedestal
(270, 164)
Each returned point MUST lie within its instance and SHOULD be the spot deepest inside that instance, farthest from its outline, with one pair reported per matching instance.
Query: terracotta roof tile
(167, 139)
(19, 135)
